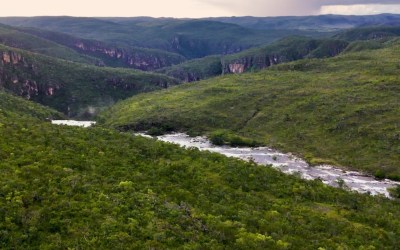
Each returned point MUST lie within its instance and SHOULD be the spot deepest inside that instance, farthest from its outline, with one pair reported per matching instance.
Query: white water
(84, 124)
(289, 164)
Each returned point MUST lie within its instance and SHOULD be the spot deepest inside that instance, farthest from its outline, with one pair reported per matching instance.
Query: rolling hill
(342, 110)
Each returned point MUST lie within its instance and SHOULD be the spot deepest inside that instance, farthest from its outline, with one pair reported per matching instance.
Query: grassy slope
(13, 37)
(76, 87)
(65, 187)
(343, 110)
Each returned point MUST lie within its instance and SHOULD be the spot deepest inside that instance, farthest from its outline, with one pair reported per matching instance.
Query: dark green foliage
(12, 107)
(343, 110)
(74, 188)
(72, 88)
(224, 137)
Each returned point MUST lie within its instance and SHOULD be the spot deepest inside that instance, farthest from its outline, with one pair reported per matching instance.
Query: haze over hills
(190, 38)
(320, 23)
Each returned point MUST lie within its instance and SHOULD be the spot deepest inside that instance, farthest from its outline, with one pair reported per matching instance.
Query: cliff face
(136, 58)
(142, 59)
(23, 84)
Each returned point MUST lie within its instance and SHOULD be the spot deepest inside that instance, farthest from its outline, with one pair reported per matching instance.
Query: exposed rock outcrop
(11, 57)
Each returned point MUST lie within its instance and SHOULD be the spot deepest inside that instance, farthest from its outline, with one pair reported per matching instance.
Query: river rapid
(287, 163)
(290, 164)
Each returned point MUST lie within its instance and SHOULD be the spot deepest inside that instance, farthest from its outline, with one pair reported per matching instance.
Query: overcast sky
(195, 8)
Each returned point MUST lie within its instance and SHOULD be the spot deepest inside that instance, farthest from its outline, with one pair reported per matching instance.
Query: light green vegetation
(342, 110)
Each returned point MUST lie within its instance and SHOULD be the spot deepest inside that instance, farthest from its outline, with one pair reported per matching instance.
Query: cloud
(292, 7)
(360, 9)
(192, 8)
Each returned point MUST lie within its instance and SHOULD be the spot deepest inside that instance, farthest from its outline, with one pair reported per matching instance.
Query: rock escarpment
(137, 58)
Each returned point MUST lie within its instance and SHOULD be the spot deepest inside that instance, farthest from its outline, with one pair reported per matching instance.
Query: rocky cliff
(137, 58)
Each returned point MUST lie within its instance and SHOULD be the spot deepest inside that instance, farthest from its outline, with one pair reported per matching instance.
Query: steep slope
(13, 107)
(285, 50)
(190, 38)
(65, 188)
(343, 110)
(73, 88)
(16, 38)
(109, 54)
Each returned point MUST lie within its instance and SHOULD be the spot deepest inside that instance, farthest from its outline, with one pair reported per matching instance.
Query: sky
(196, 8)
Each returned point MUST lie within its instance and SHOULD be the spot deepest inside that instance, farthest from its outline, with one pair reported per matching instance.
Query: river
(287, 163)
(290, 164)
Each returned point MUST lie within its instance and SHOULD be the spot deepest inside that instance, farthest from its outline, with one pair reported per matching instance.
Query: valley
(210, 133)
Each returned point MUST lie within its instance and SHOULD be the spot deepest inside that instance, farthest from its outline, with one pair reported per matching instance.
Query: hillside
(72, 88)
(16, 38)
(343, 110)
(284, 50)
(65, 188)
(189, 38)
(110, 54)
(370, 33)
(13, 107)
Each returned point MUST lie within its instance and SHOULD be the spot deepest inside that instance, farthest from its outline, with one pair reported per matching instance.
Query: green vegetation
(284, 50)
(65, 187)
(13, 107)
(72, 88)
(17, 38)
(342, 110)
